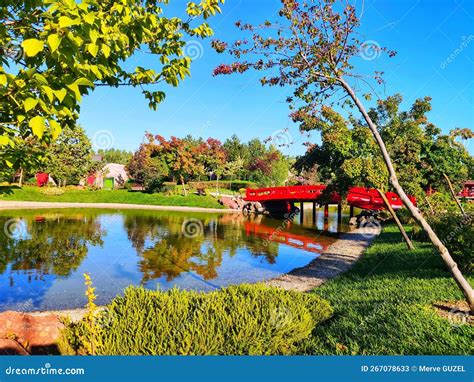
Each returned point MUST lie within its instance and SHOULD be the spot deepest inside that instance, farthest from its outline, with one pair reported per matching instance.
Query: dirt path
(339, 257)
(7, 205)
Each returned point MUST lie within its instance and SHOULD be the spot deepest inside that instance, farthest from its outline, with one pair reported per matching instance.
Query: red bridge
(283, 198)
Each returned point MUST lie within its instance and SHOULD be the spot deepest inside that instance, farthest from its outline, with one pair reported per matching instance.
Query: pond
(44, 253)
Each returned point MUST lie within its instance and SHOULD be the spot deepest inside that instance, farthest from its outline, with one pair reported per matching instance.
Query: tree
(69, 158)
(179, 155)
(115, 155)
(55, 51)
(311, 50)
(147, 169)
(213, 157)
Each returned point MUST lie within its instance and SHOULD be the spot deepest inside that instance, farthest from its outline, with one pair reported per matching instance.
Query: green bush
(457, 234)
(51, 191)
(225, 184)
(245, 319)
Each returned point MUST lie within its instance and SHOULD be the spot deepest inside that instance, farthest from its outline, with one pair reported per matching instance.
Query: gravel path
(6, 205)
(339, 257)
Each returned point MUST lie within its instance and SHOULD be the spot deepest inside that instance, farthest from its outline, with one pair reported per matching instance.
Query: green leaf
(4, 139)
(106, 50)
(84, 82)
(93, 49)
(65, 22)
(37, 125)
(75, 88)
(53, 42)
(49, 92)
(89, 18)
(32, 46)
(29, 104)
(55, 129)
(60, 94)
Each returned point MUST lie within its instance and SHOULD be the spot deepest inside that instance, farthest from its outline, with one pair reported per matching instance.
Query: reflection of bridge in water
(282, 235)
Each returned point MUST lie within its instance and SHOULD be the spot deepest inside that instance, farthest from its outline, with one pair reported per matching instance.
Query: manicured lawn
(109, 196)
(384, 305)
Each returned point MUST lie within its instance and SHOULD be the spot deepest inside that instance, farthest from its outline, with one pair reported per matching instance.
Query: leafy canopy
(56, 51)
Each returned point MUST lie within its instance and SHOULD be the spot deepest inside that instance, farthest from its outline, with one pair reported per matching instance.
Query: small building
(112, 176)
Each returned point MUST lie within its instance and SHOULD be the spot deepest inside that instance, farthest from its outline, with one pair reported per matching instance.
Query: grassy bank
(108, 196)
(384, 305)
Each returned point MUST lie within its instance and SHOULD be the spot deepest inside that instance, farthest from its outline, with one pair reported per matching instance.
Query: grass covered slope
(237, 320)
(383, 305)
(72, 195)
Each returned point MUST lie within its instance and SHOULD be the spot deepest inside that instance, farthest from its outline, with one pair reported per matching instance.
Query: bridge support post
(351, 212)
(301, 212)
(314, 213)
(326, 211)
(339, 214)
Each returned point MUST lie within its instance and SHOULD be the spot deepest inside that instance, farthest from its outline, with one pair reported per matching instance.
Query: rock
(353, 221)
(37, 334)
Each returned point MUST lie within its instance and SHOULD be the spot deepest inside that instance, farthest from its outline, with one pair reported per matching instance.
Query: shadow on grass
(8, 190)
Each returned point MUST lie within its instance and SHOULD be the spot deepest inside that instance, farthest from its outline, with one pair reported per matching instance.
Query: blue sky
(425, 34)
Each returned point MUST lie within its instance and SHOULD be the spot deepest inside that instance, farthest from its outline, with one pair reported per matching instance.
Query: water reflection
(42, 268)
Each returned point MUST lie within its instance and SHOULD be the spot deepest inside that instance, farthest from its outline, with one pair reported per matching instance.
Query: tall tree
(69, 157)
(311, 50)
(55, 51)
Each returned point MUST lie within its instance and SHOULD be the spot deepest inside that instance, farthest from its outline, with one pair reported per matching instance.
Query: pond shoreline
(16, 205)
(338, 258)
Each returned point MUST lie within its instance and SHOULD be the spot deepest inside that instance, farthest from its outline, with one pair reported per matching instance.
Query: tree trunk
(184, 187)
(20, 182)
(443, 251)
(429, 205)
(454, 195)
(395, 217)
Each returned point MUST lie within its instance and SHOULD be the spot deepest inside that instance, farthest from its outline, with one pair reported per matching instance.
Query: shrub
(51, 191)
(228, 185)
(245, 319)
(457, 234)
(169, 188)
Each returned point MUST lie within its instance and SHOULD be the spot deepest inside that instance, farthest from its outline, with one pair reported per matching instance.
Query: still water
(44, 253)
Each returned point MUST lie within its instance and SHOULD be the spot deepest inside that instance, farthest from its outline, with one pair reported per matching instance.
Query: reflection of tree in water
(54, 244)
(172, 253)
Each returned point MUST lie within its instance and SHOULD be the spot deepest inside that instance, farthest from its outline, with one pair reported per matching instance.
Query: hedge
(237, 320)
(229, 185)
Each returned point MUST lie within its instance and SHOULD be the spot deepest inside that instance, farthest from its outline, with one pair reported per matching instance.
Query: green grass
(28, 193)
(383, 305)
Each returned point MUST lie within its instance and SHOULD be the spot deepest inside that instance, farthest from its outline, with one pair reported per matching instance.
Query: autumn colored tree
(53, 52)
(311, 50)
(212, 155)
(180, 156)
